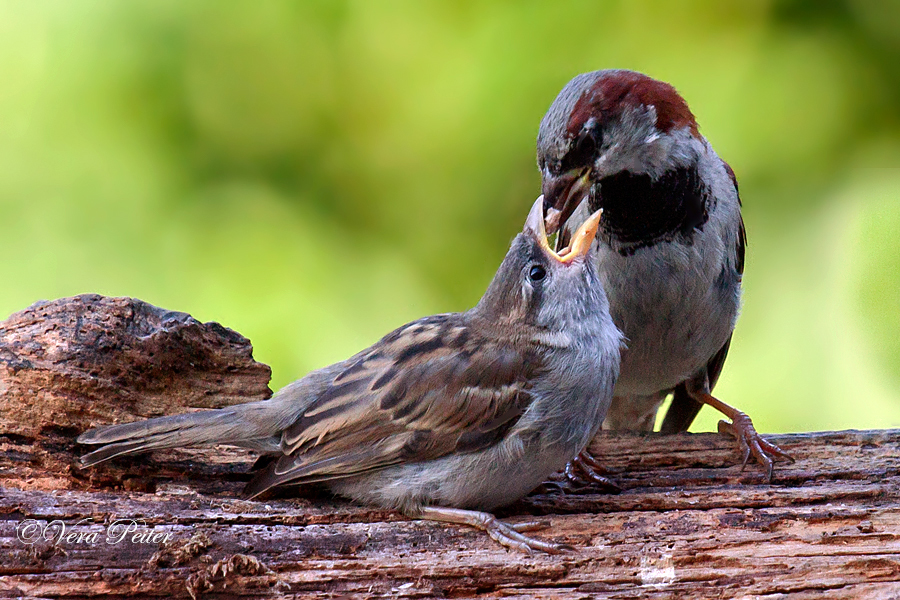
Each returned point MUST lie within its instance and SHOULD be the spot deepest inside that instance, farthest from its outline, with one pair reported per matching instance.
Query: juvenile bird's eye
(537, 273)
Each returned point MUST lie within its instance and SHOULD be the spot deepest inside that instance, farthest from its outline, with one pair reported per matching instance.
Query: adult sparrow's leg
(749, 442)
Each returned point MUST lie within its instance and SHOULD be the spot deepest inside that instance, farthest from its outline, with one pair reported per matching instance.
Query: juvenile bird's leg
(749, 442)
(584, 474)
(507, 535)
(630, 413)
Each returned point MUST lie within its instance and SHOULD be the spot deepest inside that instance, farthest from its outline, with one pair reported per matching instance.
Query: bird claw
(530, 526)
(750, 443)
(586, 471)
(511, 536)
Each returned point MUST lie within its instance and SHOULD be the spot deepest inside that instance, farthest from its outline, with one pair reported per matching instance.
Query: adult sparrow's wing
(684, 408)
(432, 387)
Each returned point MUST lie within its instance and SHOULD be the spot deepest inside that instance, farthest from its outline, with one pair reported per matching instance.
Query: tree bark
(688, 523)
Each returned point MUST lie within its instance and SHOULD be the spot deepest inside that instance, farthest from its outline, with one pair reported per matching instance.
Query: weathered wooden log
(75, 363)
(688, 523)
(91, 358)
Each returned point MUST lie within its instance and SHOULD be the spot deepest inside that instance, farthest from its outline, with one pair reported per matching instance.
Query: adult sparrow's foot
(749, 442)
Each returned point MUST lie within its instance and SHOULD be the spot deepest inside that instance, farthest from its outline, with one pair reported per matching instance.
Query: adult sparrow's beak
(562, 195)
(581, 241)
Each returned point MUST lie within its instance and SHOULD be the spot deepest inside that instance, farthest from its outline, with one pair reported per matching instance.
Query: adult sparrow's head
(616, 136)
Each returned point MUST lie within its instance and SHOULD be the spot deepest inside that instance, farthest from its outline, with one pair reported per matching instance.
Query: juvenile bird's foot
(583, 475)
(586, 471)
(504, 534)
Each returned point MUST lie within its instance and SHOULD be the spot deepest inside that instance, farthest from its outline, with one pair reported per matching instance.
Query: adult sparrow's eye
(583, 150)
(586, 144)
(537, 273)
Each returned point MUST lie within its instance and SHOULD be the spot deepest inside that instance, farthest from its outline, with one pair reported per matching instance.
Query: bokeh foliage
(313, 174)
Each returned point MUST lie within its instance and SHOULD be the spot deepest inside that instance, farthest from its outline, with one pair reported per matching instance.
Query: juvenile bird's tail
(255, 425)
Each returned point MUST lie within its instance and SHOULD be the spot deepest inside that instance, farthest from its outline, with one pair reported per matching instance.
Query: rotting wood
(688, 523)
(91, 358)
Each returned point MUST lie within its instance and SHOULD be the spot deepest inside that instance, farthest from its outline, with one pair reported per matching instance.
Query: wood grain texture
(688, 523)
(87, 360)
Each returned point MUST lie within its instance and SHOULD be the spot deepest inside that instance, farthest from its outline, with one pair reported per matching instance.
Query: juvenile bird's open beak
(581, 241)
(563, 194)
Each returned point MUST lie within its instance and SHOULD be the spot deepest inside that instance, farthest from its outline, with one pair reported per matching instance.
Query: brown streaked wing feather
(430, 388)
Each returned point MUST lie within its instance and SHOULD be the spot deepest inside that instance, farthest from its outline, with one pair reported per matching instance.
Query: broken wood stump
(687, 524)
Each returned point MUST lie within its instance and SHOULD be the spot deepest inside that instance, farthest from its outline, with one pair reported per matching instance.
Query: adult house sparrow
(447, 416)
(670, 247)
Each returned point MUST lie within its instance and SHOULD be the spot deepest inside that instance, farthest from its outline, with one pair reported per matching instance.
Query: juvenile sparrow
(670, 247)
(447, 416)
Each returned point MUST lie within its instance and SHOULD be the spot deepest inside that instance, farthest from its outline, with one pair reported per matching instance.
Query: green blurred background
(314, 174)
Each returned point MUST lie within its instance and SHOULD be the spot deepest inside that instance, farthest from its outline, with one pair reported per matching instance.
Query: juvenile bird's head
(536, 286)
